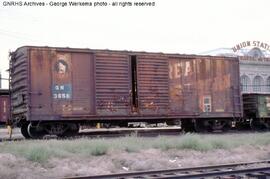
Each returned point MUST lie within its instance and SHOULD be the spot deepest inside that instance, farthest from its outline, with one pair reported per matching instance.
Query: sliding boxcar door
(153, 89)
(112, 84)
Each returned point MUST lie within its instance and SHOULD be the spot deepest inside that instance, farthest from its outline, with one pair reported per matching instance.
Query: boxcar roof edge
(88, 50)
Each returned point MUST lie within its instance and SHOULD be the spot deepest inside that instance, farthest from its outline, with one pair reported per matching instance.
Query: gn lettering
(62, 91)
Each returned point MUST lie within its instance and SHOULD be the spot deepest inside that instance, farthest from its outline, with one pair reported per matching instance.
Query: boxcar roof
(87, 50)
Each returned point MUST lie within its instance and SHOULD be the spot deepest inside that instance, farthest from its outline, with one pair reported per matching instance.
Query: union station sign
(257, 44)
(255, 50)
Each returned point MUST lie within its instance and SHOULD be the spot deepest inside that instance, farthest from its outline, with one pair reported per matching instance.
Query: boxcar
(4, 106)
(257, 110)
(54, 90)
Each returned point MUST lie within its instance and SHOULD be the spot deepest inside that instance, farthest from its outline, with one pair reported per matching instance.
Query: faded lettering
(175, 70)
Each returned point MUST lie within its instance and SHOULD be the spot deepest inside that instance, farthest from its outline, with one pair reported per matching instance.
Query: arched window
(268, 84)
(245, 83)
(257, 84)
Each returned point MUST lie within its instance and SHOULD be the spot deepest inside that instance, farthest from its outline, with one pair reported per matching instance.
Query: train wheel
(200, 126)
(257, 125)
(72, 130)
(243, 125)
(35, 132)
(226, 127)
(24, 130)
(187, 126)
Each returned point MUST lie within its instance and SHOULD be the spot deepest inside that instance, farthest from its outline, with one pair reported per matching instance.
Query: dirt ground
(116, 161)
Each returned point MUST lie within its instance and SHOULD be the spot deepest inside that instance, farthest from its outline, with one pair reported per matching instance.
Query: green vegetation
(41, 150)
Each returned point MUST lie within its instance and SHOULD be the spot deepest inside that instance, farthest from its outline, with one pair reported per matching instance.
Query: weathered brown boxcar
(4, 106)
(55, 89)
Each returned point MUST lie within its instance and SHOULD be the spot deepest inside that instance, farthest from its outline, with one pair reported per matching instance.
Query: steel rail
(217, 171)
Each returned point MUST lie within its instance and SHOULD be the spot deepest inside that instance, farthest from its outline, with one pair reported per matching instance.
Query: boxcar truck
(55, 90)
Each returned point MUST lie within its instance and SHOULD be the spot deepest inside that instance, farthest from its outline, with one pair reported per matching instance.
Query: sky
(171, 26)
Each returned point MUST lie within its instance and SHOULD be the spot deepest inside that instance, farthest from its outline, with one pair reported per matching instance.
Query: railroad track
(251, 170)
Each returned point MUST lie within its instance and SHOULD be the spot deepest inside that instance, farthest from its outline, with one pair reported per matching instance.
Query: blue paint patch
(62, 91)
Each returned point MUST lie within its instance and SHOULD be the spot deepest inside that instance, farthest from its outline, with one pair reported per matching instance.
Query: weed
(41, 151)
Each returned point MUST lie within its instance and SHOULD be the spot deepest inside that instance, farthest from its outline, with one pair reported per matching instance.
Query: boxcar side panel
(83, 100)
(204, 87)
(218, 88)
(220, 92)
(236, 98)
(61, 86)
(183, 87)
(175, 90)
(40, 83)
(73, 83)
